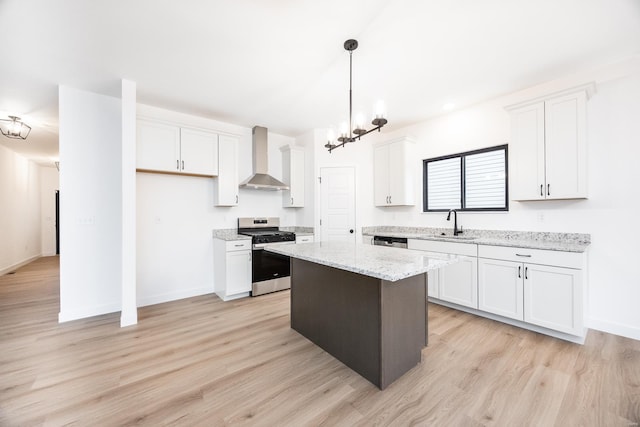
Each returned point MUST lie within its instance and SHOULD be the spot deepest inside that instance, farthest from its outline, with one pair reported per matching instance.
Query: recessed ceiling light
(448, 106)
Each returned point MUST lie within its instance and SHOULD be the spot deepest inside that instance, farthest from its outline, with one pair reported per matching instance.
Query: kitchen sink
(451, 236)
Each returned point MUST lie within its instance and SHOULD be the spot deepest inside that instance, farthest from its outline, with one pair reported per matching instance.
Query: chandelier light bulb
(331, 135)
(380, 110)
(344, 129)
(359, 125)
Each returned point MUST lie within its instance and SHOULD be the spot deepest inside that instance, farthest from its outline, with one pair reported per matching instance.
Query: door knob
(351, 231)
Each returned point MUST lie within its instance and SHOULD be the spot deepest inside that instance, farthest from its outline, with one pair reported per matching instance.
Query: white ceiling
(281, 64)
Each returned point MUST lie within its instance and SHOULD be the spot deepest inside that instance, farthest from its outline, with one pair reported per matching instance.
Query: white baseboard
(173, 296)
(614, 328)
(128, 320)
(85, 312)
(578, 339)
(13, 267)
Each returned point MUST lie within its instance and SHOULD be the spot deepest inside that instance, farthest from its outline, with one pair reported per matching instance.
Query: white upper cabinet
(293, 176)
(169, 148)
(157, 147)
(199, 152)
(549, 146)
(227, 182)
(393, 173)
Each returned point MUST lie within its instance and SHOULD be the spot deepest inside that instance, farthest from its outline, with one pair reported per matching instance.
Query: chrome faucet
(455, 222)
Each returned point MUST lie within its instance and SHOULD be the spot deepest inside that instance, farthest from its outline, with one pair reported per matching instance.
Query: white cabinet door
(238, 277)
(293, 176)
(500, 287)
(553, 298)
(157, 147)
(550, 148)
(227, 181)
(381, 175)
(565, 147)
(400, 176)
(433, 284)
(393, 174)
(459, 282)
(199, 152)
(527, 137)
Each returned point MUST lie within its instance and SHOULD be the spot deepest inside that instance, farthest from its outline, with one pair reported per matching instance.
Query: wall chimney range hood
(260, 179)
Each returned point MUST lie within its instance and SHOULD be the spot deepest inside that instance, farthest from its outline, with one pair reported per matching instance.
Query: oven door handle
(264, 245)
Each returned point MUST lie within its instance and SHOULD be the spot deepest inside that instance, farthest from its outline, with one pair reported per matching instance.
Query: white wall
(176, 216)
(49, 183)
(90, 204)
(19, 210)
(609, 214)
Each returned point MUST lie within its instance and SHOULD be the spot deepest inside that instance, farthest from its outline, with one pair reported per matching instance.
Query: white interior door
(338, 204)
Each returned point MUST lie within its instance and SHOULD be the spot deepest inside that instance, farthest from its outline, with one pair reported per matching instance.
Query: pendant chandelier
(14, 128)
(350, 132)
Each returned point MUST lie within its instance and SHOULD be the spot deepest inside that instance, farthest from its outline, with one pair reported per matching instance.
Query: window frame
(462, 156)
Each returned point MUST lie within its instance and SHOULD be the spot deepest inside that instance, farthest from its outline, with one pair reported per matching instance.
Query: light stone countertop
(565, 242)
(384, 263)
(229, 234)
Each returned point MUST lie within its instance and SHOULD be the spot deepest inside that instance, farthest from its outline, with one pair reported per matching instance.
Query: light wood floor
(201, 361)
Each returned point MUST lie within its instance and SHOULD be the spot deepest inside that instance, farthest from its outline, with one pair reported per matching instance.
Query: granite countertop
(565, 242)
(384, 263)
(229, 234)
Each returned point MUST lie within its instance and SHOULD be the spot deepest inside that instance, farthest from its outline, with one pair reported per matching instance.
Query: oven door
(270, 272)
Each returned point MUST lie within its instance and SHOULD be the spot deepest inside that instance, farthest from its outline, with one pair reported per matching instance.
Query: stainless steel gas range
(270, 272)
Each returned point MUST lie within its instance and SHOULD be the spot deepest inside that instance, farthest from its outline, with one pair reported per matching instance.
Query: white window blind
(474, 180)
(443, 182)
(485, 180)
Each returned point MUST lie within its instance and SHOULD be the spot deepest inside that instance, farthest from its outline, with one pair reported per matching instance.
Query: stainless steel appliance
(395, 242)
(269, 272)
(261, 180)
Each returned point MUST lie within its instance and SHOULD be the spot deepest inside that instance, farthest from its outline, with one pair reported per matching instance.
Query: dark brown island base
(375, 326)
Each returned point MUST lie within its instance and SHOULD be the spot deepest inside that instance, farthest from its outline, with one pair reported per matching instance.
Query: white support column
(129, 314)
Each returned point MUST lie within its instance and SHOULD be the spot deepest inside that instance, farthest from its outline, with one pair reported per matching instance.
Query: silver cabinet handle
(519, 271)
(236, 198)
(238, 246)
(548, 189)
(541, 193)
(292, 200)
(177, 164)
(524, 255)
(389, 199)
(183, 165)
(526, 269)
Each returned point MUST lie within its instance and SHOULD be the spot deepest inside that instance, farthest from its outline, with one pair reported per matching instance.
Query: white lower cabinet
(433, 284)
(305, 238)
(553, 298)
(500, 288)
(549, 294)
(542, 290)
(456, 283)
(232, 268)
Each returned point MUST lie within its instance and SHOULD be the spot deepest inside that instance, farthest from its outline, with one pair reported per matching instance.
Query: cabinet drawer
(238, 245)
(304, 239)
(468, 249)
(533, 256)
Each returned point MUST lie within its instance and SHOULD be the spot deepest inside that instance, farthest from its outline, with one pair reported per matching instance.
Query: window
(471, 181)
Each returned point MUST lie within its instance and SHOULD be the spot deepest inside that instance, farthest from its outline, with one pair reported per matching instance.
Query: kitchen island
(365, 305)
